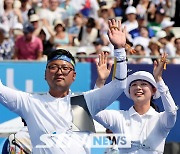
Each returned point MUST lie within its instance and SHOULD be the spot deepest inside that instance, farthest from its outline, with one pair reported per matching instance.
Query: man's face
(54, 5)
(59, 75)
(28, 36)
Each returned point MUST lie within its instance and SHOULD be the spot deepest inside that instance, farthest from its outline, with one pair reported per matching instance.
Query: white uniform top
(148, 131)
(45, 114)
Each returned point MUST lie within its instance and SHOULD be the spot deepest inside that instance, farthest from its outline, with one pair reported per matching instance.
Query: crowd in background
(29, 29)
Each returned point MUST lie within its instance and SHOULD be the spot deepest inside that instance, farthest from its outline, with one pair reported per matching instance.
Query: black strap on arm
(82, 118)
(120, 79)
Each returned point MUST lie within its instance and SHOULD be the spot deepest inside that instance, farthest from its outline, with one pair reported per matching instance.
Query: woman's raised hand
(116, 33)
(159, 67)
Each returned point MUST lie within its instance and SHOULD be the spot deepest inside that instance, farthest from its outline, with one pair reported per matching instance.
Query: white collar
(150, 112)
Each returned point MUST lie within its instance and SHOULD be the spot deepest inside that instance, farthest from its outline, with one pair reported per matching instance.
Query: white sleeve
(12, 99)
(168, 118)
(99, 99)
(109, 119)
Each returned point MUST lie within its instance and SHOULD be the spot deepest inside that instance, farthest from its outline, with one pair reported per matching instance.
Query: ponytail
(154, 105)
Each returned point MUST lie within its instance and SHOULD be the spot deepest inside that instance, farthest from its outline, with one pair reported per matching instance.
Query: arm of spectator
(70, 39)
(17, 12)
(38, 30)
(48, 27)
(39, 50)
(15, 56)
(39, 55)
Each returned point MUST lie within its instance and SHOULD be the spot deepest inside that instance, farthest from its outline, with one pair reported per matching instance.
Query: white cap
(18, 26)
(106, 48)
(33, 17)
(166, 23)
(161, 34)
(131, 10)
(81, 50)
(58, 22)
(141, 75)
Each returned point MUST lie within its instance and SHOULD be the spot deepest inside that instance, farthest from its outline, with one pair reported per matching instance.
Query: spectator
(44, 12)
(140, 53)
(81, 54)
(24, 10)
(159, 17)
(144, 7)
(177, 45)
(11, 15)
(56, 13)
(61, 37)
(155, 49)
(167, 26)
(143, 39)
(131, 22)
(108, 52)
(117, 8)
(69, 12)
(142, 22)
(90, 8)
(17, 31)
(47, 45)
(161, 36)
(104, 16)
(28, 47)
(88, 33)
(35, 20)
(6, 45)
(98, 44)
(74, 30)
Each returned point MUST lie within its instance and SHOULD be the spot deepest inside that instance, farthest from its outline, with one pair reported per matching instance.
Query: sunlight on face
(141, 91)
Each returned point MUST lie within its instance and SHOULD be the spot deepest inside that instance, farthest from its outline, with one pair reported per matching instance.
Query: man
(51, 113)
(28, 47)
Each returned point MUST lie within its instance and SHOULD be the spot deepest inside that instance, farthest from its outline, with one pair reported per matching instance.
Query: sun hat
(166, 23)
(154, 40)
(106, 48)
(131, 10)
(58, 22)
(81, 50)
(33, 18)
(141, 75)
(161, 34)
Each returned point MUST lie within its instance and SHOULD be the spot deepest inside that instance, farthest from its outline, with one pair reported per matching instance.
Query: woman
(146, 128)
(61, 37)
(10, 15)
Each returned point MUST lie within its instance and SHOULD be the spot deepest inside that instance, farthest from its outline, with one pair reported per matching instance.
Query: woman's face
(9, 2)
(141, 91)
(59, 28)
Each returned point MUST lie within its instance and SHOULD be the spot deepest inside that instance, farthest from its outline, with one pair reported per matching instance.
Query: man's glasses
(65, 70)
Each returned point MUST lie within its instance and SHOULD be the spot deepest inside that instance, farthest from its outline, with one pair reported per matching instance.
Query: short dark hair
(56, 52)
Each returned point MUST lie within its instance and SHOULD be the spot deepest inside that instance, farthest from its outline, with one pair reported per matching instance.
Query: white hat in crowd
(58, 22)
(131, 10)
(33, 18)
(141, 75)
(18, 26)
(81, 50)
(106, 48)
(166, 23)
(161, 34)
